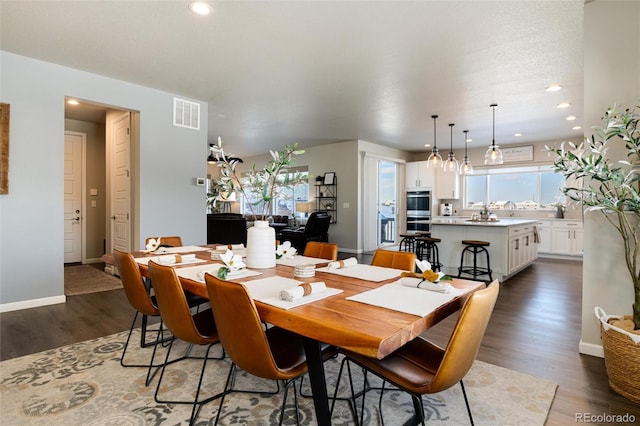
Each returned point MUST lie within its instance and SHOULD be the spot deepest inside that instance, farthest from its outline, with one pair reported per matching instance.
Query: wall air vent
(186, 114)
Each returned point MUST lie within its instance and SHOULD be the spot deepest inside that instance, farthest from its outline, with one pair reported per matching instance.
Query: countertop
(459, 220)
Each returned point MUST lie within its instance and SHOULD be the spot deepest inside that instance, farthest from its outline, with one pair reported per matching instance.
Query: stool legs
(476, 270)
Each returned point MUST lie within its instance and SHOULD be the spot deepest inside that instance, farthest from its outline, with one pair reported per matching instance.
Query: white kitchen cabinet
(544, 231)
(418, 176)
(447, 185)
(522, 247)
(567, 237)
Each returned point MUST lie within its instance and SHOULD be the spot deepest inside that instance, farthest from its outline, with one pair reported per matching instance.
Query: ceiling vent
(186, 114)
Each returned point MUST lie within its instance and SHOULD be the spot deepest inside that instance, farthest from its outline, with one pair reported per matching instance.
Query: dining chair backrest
(170, 241)
(466, 337)
(321, 250)
(134, 287)
(240, 329)
(394, 259)
(173, 305)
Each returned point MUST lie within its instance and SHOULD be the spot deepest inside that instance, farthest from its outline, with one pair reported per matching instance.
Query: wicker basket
(621, 356)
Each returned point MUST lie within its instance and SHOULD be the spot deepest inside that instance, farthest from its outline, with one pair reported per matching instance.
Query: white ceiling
(279, 72)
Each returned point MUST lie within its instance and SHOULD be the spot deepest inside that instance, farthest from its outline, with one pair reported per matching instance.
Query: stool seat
(429, 239)
(476, 243)
(475, 247)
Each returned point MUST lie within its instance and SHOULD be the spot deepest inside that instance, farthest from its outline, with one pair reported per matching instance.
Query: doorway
(102, 126)
(380, 190)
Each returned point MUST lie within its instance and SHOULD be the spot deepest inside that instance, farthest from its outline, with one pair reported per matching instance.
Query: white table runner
(267, 290)
(365, 272)
(415, 301)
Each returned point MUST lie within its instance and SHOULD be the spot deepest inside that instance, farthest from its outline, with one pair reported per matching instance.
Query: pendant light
(434, 160)
(465, 167)
(451, 165)
(493, 154)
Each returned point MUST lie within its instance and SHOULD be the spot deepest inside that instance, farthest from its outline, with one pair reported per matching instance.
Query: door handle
(113, 217)
(77, 219)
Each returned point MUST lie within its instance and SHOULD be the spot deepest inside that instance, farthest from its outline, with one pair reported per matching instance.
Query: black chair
(316, 229)
(226, 228)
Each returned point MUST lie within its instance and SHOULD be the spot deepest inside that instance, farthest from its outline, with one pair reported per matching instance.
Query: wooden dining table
(363, 328)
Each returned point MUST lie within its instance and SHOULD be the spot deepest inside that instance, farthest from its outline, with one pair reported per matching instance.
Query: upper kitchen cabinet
(419, 176)
(447, 185)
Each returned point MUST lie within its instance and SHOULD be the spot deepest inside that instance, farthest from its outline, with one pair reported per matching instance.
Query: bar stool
(408, 242)
(427, 247)
(475, 247)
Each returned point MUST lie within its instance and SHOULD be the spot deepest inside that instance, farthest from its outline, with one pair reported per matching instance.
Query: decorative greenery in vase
(261, 186)
(612, 187)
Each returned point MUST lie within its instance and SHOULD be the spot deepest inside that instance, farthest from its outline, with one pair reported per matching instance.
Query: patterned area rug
(84, 384)
(83, 279)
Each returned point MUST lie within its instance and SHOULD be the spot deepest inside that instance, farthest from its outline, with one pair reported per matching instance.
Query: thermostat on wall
(199, 181)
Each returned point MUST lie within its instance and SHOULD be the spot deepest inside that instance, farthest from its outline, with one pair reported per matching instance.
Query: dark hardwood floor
(535, 329)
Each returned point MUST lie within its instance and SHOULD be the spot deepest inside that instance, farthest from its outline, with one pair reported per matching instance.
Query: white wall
(612, 76)
(31, 215)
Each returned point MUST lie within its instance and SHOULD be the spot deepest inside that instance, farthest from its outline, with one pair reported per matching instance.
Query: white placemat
(145, 261)
(183, 249)
(365, 272)
(415, 301)
(297, 260)
(196, 273)
(267, 290)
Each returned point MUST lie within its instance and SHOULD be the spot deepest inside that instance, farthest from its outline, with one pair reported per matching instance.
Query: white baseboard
(590, 349)
(94, 260)
(347, 250)
(33, 303)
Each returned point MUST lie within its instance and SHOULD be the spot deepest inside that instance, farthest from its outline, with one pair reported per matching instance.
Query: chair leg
(352, 400)
(466, 401)
(143, 344)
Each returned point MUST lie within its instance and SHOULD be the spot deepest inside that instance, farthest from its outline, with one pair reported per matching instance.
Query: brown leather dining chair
(138, 295)
(273, 353)
(170, 241)
(321, 250)
(195, 329)
(394, 259)
(421, 367)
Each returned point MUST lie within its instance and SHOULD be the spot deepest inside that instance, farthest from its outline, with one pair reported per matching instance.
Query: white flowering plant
(232, 262)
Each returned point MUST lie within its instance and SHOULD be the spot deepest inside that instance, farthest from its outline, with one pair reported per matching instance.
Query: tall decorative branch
(262, 186)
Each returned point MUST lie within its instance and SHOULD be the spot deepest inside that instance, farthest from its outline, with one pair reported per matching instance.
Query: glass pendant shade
(493, 155)
(434, 160)
(451, 165)
(465, 167)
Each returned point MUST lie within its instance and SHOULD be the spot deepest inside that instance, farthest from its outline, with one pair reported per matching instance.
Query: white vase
(261, 245)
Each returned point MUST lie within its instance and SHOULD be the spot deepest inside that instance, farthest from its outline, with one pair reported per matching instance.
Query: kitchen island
(513, 243)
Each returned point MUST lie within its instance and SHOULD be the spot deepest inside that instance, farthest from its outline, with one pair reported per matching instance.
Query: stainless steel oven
(418, 211)
(419, 203)
(418, 223)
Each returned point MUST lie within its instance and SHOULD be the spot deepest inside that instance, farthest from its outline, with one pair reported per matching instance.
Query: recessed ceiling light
(427, 145)
(200, 8)
(73, 102)
(576, 128)
(570, 118)
(469, 140)
(517, 135)
(563, 105)
(553, 88)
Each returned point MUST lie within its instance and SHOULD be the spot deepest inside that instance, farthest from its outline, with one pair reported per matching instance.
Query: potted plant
(262, 186)
(612, 187)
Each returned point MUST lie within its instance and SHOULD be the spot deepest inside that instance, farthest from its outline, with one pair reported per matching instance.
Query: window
(525, 188)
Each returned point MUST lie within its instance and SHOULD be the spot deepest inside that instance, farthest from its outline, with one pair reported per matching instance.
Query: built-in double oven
(418, 210)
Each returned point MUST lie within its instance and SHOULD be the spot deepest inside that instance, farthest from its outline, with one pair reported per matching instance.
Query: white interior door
(121, 187)
(387, 206)
(73, 156)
